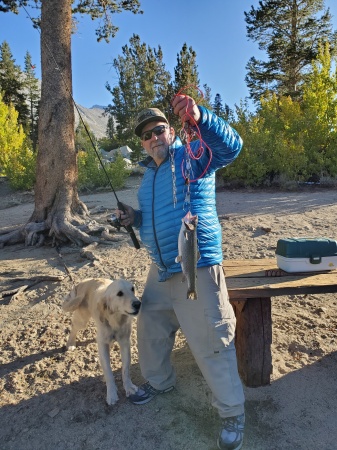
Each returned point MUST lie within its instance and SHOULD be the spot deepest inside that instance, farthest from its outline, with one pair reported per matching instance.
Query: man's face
(156, 143)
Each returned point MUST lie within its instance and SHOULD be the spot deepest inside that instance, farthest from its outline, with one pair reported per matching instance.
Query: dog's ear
(103, 304)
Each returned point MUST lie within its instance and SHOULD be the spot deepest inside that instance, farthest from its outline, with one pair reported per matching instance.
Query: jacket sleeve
(137, 223)
(221, 139)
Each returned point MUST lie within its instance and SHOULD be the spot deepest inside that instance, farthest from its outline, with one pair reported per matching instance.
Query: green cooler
(306, 254)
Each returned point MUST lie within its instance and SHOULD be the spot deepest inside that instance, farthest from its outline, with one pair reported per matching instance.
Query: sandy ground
(53, 399)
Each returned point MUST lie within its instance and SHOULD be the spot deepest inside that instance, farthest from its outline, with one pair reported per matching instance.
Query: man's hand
(125, 218)
(186, 108)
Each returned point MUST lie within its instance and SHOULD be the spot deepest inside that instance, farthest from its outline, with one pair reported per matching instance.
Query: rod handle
(129, 228)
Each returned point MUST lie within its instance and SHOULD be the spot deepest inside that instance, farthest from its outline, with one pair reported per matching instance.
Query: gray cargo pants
(208, 324)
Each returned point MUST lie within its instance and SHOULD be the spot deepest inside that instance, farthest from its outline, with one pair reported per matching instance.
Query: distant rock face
(94, 117)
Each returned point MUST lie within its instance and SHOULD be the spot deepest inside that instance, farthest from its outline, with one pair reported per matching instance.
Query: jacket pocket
(221, 329)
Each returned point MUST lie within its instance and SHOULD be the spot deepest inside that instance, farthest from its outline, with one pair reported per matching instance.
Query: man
(176, 182)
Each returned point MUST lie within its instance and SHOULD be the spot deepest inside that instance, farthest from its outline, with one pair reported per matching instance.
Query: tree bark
(56, 196)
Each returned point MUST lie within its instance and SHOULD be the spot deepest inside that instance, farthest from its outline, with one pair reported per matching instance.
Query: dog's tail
(72, 301)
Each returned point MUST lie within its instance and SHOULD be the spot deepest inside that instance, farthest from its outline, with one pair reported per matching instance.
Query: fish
(188, 253)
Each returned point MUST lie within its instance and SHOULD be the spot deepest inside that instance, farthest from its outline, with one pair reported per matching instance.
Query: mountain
(93, 117)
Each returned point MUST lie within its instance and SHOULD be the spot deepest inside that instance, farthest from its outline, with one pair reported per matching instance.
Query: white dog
(112, 305)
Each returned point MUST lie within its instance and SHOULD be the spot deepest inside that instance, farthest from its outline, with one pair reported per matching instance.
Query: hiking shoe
(231, 434)
(146, 393)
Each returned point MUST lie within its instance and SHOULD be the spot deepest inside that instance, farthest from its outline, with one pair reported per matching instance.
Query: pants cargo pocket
(221, 329)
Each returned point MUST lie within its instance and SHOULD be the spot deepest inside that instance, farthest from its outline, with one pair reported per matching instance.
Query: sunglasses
(157, 131)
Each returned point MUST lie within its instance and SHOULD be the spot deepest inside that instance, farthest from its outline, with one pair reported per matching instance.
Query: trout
(188, 253)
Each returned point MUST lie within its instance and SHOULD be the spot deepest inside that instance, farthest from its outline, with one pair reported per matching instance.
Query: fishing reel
(114, 221)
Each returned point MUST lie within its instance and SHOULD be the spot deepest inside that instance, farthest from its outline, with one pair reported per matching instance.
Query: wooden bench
(251, 283)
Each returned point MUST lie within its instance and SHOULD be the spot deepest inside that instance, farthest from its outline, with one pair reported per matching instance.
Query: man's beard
(160, 150)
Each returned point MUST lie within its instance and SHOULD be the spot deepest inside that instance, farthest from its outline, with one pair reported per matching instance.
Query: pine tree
(221, 110)
(288, 31)
(33, 96)
(109, 142)
(12, 84)
(186, 75)
(186, 81)
(207, 96)
(217, 105)
(142, 83)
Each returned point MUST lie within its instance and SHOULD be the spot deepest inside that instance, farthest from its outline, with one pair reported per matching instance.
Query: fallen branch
(30, 284)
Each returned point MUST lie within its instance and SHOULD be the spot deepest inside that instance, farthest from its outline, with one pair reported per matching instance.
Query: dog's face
(120, 297)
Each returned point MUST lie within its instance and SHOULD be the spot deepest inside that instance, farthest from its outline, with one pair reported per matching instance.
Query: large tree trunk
(55, 188)
(56, 197)
(58, 210)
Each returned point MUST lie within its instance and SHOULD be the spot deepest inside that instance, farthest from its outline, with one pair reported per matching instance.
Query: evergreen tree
(109, 142)
(186, 81)
(142, 82)
(12, 84)
(221, 110)
(33, 95)
(207, 97)
(288, 31)
(186, 72)
(110, 128)
(217, 105)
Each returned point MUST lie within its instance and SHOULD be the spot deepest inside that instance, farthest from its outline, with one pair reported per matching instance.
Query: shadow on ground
(279, 416)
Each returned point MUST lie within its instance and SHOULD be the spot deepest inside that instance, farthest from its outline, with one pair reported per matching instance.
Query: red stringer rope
(189, 134)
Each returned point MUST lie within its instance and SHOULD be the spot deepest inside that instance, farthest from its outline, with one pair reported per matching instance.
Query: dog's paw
(111, 397)
(130, 389)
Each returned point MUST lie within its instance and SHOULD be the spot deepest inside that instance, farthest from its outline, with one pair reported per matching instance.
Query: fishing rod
(120, 205)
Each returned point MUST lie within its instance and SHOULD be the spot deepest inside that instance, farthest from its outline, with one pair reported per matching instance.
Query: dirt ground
(53, 399)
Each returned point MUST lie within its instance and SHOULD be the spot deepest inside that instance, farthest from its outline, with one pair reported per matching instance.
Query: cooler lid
(306, 247)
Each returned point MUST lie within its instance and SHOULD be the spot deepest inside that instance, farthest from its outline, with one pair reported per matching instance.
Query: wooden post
(253, 340)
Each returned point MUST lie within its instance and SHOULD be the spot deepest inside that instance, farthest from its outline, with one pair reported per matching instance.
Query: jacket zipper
(153, 224)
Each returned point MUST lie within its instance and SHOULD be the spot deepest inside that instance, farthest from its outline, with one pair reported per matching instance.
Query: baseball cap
(148, 115)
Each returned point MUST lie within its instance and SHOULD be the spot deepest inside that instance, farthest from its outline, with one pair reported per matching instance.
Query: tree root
(8, 230)
(13, 237)
(33, 232)
(61, 230)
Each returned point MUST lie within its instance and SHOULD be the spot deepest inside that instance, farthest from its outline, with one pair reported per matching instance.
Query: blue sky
(216, 32)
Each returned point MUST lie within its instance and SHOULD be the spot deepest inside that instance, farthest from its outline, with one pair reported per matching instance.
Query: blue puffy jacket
(159, 220)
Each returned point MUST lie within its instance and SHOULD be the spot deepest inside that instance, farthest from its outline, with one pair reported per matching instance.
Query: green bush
(21, 167)
(118, 172)
(91, 174)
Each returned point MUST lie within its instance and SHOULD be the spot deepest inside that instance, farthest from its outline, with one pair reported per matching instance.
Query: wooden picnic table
(251, 284)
